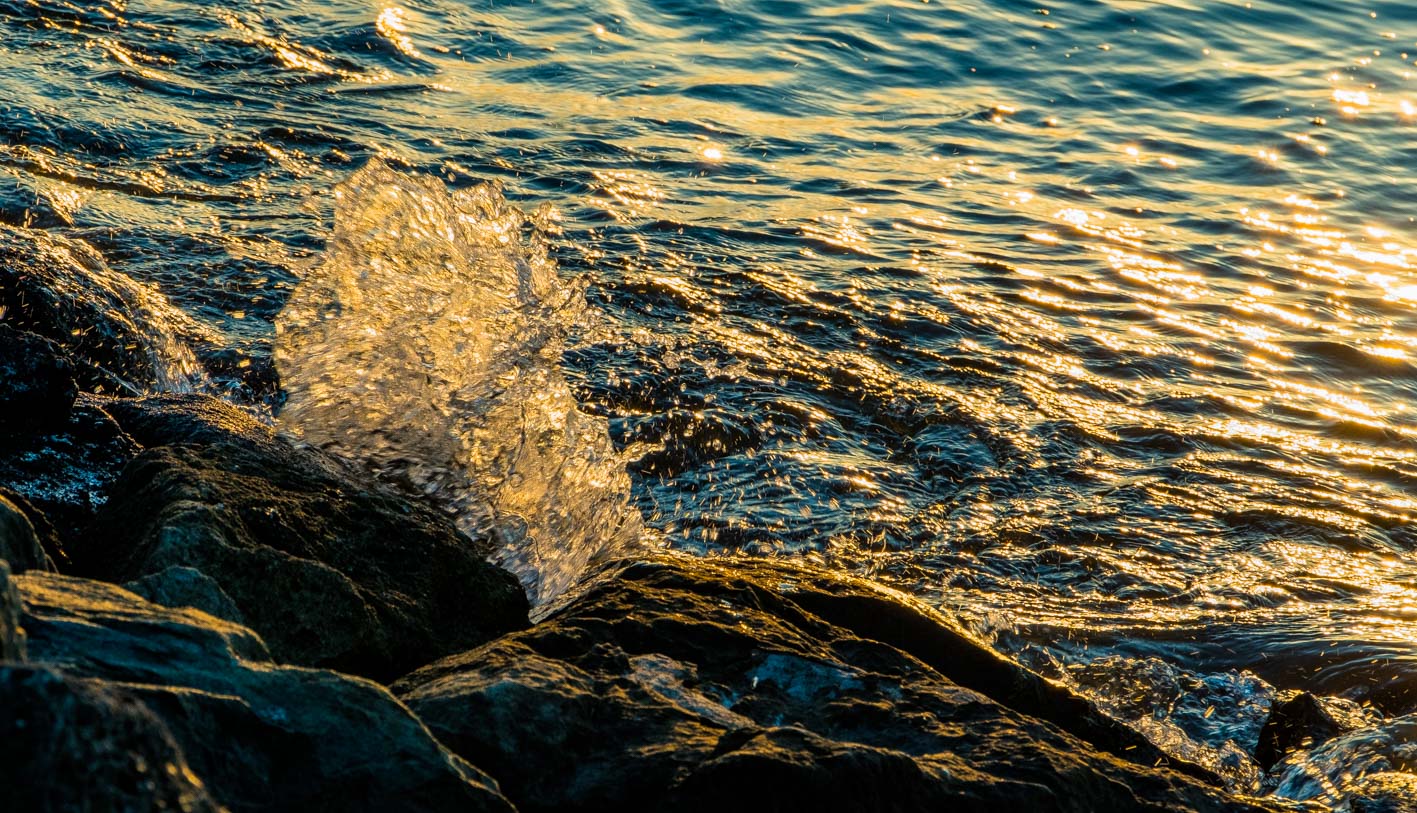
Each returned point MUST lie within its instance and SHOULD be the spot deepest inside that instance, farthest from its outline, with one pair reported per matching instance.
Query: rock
(678, 684)
(19, 543)
(1301, 722)
(188, 419)
(37, 388)
(262, 737)
(122, 335)
(69, 745)
(12, 635)
(44, 532)
(187, 587)
(331, 569)
(1384, 792)
(43, 203)
(62, 474)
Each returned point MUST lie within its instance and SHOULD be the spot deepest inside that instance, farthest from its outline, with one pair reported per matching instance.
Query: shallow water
(1094, 323)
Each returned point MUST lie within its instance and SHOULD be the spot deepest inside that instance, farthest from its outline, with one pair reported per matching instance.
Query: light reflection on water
(1091, 321)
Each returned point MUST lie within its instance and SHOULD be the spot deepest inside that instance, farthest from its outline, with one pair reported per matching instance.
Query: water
(1093, 323)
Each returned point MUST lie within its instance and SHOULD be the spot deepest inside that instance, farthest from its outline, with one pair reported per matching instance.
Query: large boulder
(330, 568)
(677, 684)
(261, 736)
(68, 745)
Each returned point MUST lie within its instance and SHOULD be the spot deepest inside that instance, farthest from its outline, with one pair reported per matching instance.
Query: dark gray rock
(1301, 722)
(187, 587)
(679, 684)
(75, 745)
(331, 569)
(261, 736)
(123, 336)
(62, 474)
(37, 388)
(12, 635)
(19, 543)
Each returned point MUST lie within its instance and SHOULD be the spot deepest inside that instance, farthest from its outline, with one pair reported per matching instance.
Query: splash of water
(426, 346)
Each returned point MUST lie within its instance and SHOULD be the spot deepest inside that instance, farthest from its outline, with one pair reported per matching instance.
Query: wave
(426, 346)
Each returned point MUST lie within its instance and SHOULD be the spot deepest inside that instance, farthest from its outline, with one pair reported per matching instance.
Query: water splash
(426, 346)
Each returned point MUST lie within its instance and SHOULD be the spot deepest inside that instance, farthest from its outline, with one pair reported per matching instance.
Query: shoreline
(197, 615)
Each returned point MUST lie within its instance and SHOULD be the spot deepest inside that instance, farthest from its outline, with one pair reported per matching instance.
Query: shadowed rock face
(37, 387)
(330, 569)
(261, 736)
(63, 471)
(68, 745)
(12, 635)
(689, 685)
(19, 543)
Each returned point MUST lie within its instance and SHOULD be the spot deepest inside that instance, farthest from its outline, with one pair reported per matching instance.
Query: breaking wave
(426, 346)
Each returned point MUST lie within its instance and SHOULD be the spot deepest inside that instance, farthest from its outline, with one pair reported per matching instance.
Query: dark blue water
(1094, 323)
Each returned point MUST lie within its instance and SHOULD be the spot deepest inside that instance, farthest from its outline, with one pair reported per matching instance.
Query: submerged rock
(122, 335)
(71, 745)
(1300, 723)
(692, 685)
(261, 736)
(329, 568)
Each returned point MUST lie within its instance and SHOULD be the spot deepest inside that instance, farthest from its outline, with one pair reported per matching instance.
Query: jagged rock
(44, 532)
(261, 736)
(69, 745)
(19, 543)
(331, 569)
(1301, 722)
(187, 587)
(37, 388)
(122, 335)
(679, 684)
(1385, 792)
(12, 635)
(62, 473)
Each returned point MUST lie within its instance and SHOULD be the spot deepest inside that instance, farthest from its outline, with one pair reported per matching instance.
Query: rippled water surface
(1091, 322)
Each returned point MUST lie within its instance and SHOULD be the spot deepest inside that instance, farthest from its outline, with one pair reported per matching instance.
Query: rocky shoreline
(197, 615)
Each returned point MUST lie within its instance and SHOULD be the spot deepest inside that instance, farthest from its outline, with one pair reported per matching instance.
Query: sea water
(1092, 323)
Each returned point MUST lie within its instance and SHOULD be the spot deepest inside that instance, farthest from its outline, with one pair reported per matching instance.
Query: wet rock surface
(329, 568)
(261, 736)
(121, 335)
(681, 685)
(77, 745)
(37, 388)
(1300, 723)
(62, 473)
